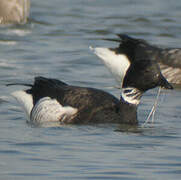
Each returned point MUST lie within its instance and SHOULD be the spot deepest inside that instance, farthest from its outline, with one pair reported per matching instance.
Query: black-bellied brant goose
(14, 11)
(169, 59)
(51, 100)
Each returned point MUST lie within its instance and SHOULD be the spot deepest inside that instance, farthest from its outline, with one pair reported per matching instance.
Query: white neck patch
(131, 95)
(117, 64)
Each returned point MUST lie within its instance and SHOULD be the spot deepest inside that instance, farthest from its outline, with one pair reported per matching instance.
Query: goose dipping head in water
(51, 100)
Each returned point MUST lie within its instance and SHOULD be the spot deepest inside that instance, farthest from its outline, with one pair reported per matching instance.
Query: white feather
(117, 64)
(45, 110)
(50, 110)
(25, 100)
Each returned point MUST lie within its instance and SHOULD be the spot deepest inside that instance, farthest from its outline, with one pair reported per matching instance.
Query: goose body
(51, 100)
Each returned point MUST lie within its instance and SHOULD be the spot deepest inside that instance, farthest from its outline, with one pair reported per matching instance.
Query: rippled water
(55, 44)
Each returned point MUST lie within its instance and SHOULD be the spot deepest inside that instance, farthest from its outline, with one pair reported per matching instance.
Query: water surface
(55, 44)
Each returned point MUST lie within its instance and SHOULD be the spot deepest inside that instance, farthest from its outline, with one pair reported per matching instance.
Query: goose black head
(144, 74)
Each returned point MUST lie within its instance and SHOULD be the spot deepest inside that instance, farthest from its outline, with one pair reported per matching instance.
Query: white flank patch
(117, 64)
(50, 110)
(25, 100)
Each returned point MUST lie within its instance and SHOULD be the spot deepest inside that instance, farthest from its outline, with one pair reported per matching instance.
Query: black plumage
(169, 59)
(94, 106)
(97, 106)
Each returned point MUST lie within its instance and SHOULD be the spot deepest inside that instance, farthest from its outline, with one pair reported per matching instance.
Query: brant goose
(51, 100)
(169, 59)
(14, 11)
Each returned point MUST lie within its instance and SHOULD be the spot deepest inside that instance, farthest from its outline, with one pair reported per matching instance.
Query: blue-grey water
(55, 44)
